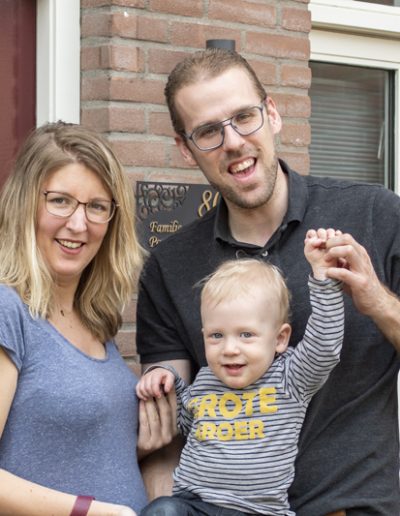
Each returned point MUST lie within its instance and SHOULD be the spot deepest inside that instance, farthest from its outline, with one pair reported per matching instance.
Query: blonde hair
(235, 278)
(107, 283)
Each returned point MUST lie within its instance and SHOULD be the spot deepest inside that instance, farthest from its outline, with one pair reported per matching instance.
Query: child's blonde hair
(237, 277)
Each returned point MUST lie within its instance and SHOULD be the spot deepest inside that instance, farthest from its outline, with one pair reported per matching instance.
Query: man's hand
(360, 281)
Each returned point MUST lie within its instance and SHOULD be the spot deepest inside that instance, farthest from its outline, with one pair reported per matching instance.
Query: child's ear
(282, 339)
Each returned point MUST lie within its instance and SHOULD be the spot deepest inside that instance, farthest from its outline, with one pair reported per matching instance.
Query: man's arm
(158, 467)
(369, 295)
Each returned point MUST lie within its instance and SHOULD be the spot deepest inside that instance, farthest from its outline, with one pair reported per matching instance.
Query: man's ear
(282, 339)
(185, 151)
(274, 118)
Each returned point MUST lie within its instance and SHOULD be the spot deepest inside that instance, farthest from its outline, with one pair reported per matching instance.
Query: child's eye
(246, 334)
(216, 335)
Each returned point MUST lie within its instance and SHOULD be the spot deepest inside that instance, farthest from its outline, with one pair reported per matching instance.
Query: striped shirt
(242, 444)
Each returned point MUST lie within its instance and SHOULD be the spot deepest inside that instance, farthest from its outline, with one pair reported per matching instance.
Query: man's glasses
(63, 205)
(211, 136)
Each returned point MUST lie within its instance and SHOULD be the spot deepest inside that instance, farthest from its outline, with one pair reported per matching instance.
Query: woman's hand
(157, 423)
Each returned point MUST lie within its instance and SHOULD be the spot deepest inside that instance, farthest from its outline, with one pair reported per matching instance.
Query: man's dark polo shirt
(348, 451)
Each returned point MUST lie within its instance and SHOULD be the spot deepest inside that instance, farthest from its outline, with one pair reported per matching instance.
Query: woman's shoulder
(10, 301)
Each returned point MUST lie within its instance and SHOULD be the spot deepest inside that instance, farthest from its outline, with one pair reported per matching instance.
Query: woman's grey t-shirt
(73, 421)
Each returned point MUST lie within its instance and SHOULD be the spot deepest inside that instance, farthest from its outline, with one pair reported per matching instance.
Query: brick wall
(130, 46)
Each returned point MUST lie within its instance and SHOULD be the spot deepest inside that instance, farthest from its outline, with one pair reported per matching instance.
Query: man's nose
(232, 139)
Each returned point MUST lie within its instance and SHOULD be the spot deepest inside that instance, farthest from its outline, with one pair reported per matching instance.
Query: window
(355, 46)
(352, 122)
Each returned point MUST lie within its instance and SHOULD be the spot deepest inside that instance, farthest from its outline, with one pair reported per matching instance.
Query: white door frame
(58, 61)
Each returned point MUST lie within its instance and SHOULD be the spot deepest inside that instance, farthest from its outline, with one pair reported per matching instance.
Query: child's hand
(316, 253)
(155, 383)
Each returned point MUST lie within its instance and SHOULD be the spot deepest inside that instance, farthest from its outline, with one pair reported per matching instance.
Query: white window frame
(58, 61)
(360, 34)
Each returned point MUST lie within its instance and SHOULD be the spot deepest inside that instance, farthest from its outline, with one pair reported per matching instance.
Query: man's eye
(208, 131)
(242, 118)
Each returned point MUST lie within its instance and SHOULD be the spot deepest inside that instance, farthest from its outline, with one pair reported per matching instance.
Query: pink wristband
(81, 505)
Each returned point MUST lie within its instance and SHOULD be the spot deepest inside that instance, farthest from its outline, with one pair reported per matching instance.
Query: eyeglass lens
(63, 205)
(212, 135)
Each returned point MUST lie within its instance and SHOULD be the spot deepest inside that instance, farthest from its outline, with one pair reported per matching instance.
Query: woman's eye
(98, 206)
(59, 200)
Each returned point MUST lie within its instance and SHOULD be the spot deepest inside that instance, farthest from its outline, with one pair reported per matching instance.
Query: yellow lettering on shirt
(228, 407)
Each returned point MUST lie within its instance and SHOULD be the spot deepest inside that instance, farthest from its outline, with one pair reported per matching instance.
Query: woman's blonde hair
(107, 283)
(235, 278)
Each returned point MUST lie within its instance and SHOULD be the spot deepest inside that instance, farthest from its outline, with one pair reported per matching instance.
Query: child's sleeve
(319, 351)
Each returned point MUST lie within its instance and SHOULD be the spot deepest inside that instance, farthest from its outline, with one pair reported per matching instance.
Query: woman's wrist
(82, 505)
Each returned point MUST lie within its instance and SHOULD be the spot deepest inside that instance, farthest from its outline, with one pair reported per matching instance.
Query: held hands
(155, 384)
(157, 411)
(316, 252)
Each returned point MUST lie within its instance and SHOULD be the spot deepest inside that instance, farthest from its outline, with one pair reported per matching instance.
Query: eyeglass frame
(224, 123)
(113, 205)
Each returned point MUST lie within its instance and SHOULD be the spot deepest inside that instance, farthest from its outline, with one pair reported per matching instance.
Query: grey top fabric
(73, 421)
(348, 450)
(242, 443)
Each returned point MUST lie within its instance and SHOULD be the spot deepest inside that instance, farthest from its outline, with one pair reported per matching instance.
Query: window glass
(351, 123)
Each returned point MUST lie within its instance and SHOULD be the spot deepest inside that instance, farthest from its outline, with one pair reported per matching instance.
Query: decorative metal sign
(163, 208)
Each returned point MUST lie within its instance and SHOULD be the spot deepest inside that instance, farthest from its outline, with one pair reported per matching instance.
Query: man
(348, 461)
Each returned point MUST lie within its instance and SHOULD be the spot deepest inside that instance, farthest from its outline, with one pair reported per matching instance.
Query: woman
(68, 261)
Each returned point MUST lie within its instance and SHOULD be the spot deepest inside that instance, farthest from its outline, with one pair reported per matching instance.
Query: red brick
(278, 46)
(160, 124)
(129, 314)
(140, 153)
(298, 20)
(114, 118)
(243, 11)
(152, 29)
(137, 90)
(125, 341)
(266, 72)
(134, 365)
(96, 23)
(299, 161)
(122, 57)
(298, 135)
(180, 7)
(96, 118)
(196, 34)
(90, 58)
(124, 24)
(297, 76)
(194, 176)
(127, 119)
(129, 3)
(95, 87)
(122, 3)
(163, 61)
(294, 106)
